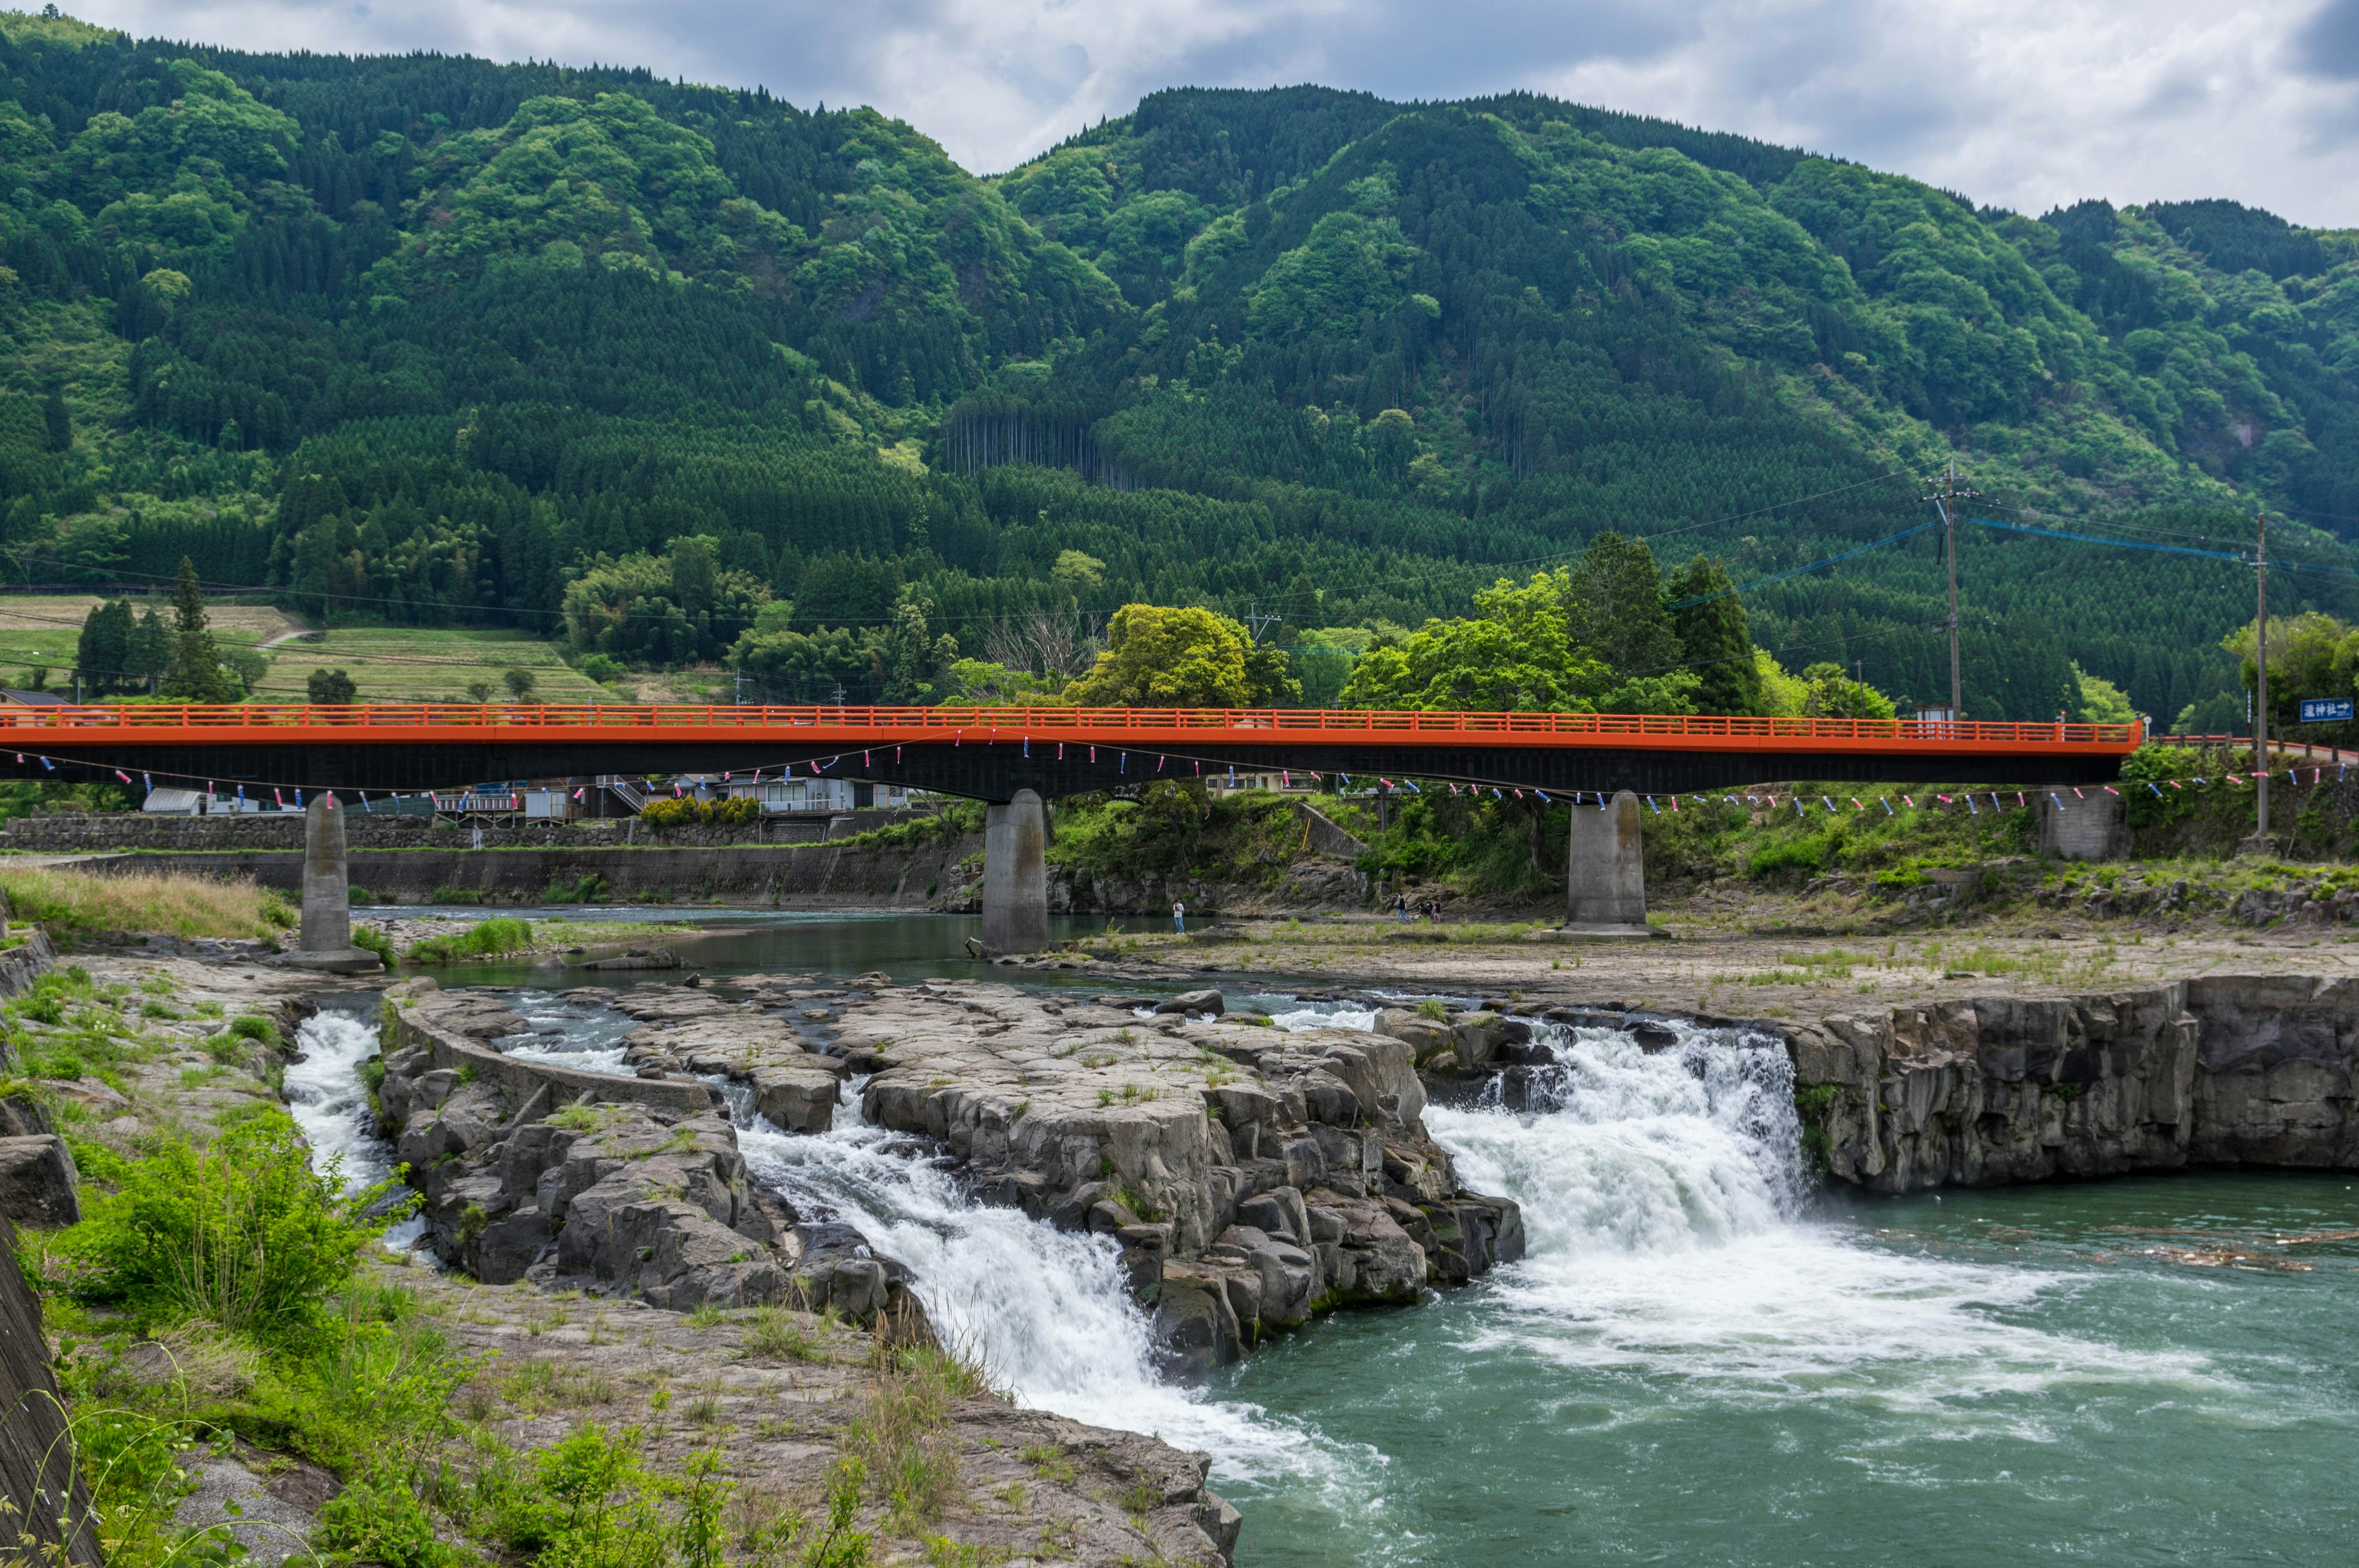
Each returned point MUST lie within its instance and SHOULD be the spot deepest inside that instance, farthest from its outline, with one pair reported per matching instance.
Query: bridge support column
(325, 940)
(1016, 876)
(1605, 871)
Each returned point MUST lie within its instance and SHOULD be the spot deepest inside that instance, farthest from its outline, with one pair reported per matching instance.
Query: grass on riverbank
(172, 903)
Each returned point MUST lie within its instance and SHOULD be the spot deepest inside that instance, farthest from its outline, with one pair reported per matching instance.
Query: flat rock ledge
(633, 1186)
(1251, 1177)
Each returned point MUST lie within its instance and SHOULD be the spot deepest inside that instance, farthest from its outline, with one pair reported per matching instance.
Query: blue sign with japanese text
(2324, 709)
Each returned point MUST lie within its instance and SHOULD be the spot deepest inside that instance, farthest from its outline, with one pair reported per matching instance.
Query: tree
(479, 690)
(1076, 573)
(519, 681)
(1515, 655)
(1713, 638)
(1156, 657)
(1613, 608)
(1833, 695)
(103, 657)
(195, 674)
(149, 650)
(330, 689)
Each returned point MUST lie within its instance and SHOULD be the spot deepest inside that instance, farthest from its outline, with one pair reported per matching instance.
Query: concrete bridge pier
(1016, 876)
(325, 940)
(1605, 871)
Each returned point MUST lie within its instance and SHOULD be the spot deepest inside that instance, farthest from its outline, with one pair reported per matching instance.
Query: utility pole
(1946, 499)
(1255, 622)
(2261, 667)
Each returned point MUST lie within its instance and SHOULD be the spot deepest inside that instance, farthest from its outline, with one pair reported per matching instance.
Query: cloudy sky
(2022, 103)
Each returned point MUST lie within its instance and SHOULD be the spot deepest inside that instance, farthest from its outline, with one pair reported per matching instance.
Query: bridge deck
(167, 724)
(991, 752)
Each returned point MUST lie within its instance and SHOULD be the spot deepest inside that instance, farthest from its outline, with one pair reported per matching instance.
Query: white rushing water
(330, 1103)
(570, 1032)
(1662, 1198)
(1046, 1309)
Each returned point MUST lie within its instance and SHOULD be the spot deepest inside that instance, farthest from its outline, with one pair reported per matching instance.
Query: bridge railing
(1049, 723)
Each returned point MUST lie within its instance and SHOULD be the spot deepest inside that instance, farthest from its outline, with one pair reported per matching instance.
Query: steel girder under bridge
(991, 753)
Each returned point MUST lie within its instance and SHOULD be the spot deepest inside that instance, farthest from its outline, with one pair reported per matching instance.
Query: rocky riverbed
(1252, 1176)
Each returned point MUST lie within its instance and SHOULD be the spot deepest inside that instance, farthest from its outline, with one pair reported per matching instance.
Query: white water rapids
(1662, 1197)
(330, 1103)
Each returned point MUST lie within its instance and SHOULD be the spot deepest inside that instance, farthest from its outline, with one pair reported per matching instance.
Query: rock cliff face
(1252, 1177)
(634, 1183)
(1985, 1092)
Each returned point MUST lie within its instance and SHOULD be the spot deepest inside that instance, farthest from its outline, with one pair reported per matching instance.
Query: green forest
(671, 375)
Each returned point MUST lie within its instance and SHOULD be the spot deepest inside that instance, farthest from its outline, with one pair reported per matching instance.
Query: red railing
(162, 723)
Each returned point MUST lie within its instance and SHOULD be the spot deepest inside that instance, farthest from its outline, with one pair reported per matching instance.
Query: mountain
(646, 366)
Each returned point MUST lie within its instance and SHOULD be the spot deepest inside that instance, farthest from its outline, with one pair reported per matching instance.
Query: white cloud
(2021, 103)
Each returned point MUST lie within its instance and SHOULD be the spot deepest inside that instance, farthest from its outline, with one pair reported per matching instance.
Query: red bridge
(990, 753)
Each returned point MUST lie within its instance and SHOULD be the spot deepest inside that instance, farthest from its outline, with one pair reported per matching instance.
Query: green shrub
(378, 1518)
(736, 811)
(244, 1233)
(484, 939)
(590, 888)
(358, 895)
(371, 940)
(458, 896)
(1806, 856)
(254, 1027)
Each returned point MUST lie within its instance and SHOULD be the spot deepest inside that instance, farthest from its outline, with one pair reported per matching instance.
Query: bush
(484, 939)
(369, 940)
(244, 1233)
(1805, 857)
(254, 1027)
(737, 811)
(378, 1518)
(590, 888)
(357, 894)
(458, 896)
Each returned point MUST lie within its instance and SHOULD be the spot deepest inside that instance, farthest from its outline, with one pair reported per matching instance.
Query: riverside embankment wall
(65, 834)
(813, 875)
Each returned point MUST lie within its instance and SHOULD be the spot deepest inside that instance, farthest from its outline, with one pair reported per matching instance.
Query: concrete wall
(815, 875)
(284, 830)
(407, 1019)
(2094, 825)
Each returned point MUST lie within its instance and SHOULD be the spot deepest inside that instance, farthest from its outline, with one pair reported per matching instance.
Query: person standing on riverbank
(1179, 918)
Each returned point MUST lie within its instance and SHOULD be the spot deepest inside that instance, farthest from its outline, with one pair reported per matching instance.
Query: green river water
(1702, 1360)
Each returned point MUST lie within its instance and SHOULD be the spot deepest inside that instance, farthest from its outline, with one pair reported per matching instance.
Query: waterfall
(1664, 1201)
(1047, 1310)
(1629, 1150)
(330, 1103)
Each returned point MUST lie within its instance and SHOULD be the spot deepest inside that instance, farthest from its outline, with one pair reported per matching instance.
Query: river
(1703, 1360)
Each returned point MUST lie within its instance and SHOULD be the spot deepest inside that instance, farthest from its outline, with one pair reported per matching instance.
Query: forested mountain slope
(648, 365)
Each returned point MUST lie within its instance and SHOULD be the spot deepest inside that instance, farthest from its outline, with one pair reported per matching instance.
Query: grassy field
(424, 664)
(43, 630)
(172, 901)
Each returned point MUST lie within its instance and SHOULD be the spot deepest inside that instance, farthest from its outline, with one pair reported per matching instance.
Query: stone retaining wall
(2227, 1070)
(816, 875)
(364, 830)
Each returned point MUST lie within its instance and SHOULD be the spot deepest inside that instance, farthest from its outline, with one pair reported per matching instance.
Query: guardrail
(935, 723)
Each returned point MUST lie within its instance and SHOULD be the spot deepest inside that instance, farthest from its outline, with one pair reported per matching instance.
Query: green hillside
(645, 367)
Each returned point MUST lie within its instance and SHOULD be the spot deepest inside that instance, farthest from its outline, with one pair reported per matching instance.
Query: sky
(2019, 103)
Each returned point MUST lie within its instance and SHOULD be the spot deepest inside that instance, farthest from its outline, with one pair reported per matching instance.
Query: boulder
(796, 1099)
(1194, 1003)
(1425, 1037)
(37, 1182)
